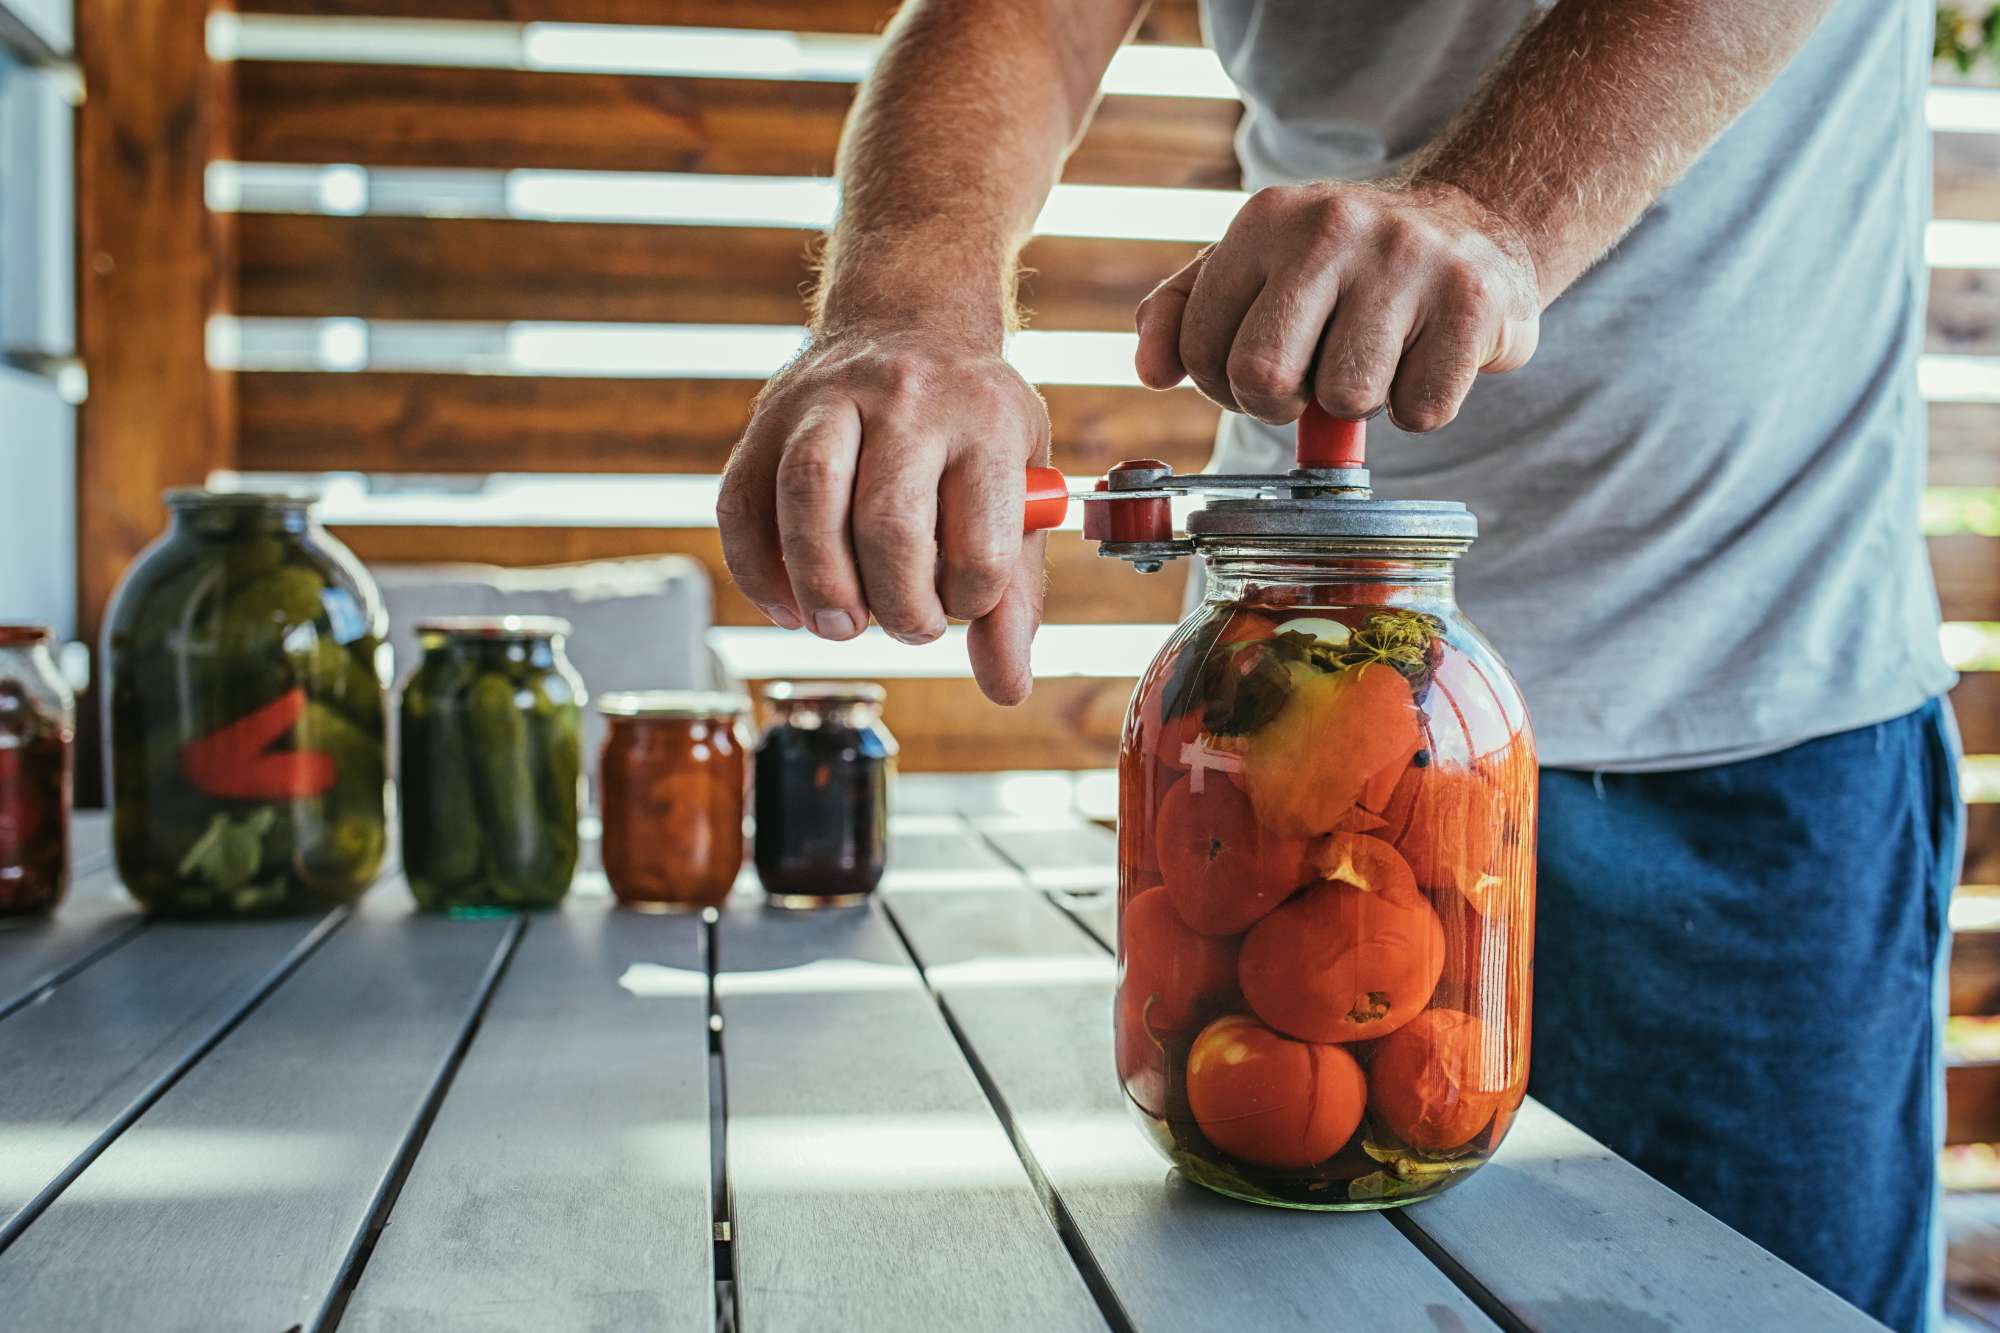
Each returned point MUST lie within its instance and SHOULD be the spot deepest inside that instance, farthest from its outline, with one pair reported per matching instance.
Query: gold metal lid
(495, 627)
(691, 705)
(200, 497)
(824, 692)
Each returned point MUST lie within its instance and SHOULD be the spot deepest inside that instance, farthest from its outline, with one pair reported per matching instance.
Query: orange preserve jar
(1326, 864)
(671, 778)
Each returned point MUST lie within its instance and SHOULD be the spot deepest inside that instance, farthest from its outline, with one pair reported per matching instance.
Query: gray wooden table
(893, 1117)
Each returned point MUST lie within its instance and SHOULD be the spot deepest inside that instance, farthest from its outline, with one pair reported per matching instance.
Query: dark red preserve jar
(822, 777)
(37, 739)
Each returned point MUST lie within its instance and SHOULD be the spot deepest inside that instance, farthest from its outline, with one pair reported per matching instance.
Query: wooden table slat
(240, 1198)
(1568, 1235)
(871, 1185)
(94, 919)
(587, 1086)
(85, 1060)
(1031, 993)
(1055, 853)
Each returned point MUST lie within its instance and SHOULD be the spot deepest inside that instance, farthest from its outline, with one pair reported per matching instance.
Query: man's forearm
(955, 141)
(1600, 107)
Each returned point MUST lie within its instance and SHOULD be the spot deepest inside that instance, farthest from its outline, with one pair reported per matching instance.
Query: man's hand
(885, 474)
(1361, 296)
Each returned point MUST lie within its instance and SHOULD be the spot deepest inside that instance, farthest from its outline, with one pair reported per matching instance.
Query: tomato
(1444, 819)
(1248, 626)
(1437, 1080)
(1348, 959)
(1307, 766)
(1271, 1100)
(1173, 972)
(1223, 869)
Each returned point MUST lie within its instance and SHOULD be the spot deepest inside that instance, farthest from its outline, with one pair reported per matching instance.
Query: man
(1693, 229)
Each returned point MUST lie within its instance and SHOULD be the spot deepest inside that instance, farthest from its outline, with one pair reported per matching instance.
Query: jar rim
(24, 636)
(495, 627)
(688, 705)
(203, 497)
(824, 692)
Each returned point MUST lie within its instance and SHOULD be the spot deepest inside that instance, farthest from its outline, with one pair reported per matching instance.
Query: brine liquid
(34, 815)
(1326, 871)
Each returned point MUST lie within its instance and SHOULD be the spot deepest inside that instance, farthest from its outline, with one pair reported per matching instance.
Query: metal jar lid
(200, 497)
(1338, 518)
(824, 692)
(495, 627)
(684, 705)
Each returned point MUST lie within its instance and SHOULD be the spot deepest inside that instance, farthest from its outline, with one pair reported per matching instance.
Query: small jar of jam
(671, 780)
(37, 734)
(822, 772)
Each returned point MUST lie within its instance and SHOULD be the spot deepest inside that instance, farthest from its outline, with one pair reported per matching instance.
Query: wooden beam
(1977, 703)
(1972, 1103)
(1965, 444)
(1964, 312)
(416, 116)
(1177, 22)
(382, 422)
(1967, 568)
(155, 264)
(1966, 174)
(500, 269)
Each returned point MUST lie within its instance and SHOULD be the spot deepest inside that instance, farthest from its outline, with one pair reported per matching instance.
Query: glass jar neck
(232, 521)
(540, 653)
(1266, 574)
(814, 713)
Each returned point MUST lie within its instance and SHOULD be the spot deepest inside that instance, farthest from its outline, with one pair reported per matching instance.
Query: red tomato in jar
(1437, 1080)
(1222, 868)
(1173, 972)
(1267, 1099)
(1166, 741)
(1352, 958)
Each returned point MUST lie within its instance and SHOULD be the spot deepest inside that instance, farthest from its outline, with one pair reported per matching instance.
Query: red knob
(1048, 499)
(1326, 441)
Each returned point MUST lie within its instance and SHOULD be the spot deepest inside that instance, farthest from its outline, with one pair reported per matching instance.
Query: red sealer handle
(1048, 499)
(1325, 441)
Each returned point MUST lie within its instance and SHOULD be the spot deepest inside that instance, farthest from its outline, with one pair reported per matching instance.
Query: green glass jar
(491, 757)
(245, 709)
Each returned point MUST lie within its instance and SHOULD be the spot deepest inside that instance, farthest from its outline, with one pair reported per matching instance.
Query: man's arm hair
(956, 138)
(1599, 107)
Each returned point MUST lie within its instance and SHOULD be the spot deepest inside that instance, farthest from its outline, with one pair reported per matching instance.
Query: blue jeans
(1739, 987)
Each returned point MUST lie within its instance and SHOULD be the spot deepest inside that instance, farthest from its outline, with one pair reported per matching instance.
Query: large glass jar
(822, 779)
(491, 765)
(1326, 879)
(37, 735)
(671, 781)
(247, 657)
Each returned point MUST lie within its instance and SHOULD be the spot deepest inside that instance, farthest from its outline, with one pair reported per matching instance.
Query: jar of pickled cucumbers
(491, 765)
(247, 657)
(1326, 860)
(37, 735)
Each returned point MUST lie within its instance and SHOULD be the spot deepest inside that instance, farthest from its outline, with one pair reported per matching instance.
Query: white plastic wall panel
(37, 502)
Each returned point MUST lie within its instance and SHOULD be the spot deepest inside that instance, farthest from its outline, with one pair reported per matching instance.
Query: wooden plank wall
(310, 112)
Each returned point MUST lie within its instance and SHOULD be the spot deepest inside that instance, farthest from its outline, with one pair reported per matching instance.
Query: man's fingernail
(782, 617)
(920, 637)
(833, 624)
